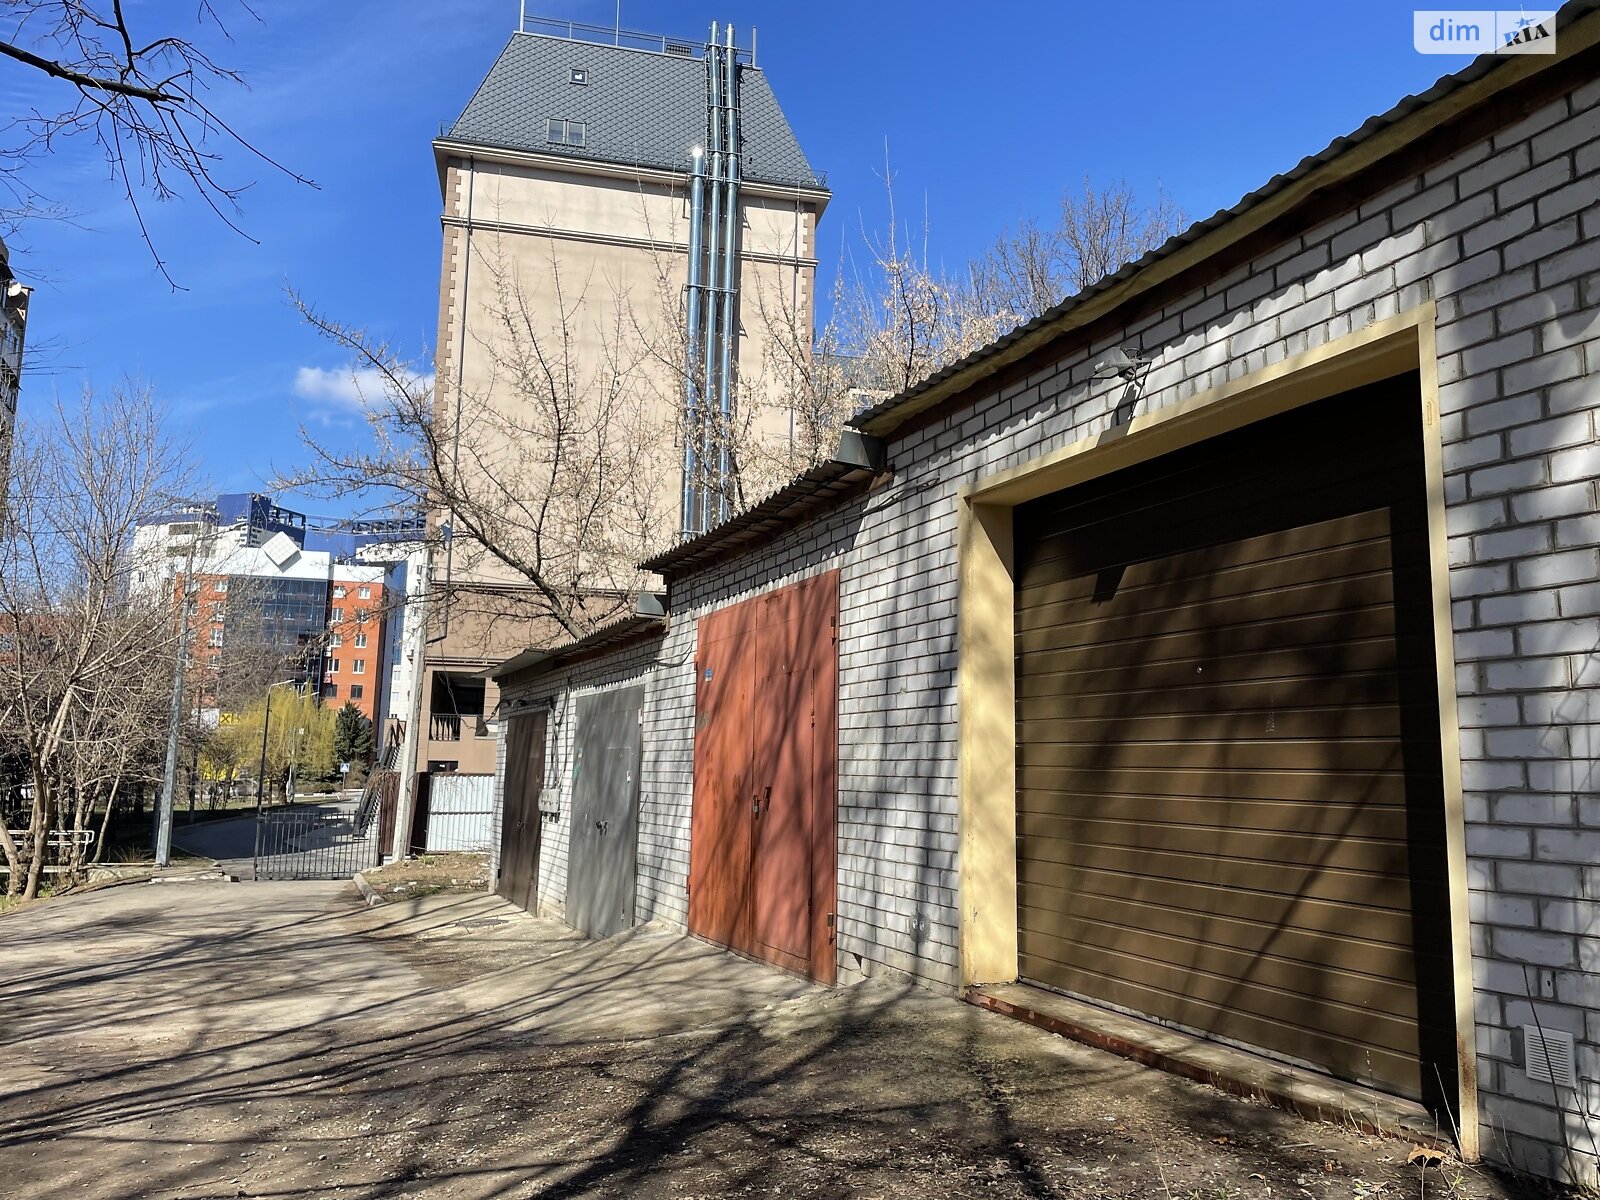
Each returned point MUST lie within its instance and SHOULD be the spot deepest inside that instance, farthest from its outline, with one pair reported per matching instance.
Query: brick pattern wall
(1504, 238)
(497, 811)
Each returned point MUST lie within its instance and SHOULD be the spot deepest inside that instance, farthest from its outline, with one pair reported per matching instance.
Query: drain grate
(481, 922)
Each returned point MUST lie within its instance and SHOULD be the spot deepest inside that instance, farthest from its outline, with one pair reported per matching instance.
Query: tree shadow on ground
(277, 1040)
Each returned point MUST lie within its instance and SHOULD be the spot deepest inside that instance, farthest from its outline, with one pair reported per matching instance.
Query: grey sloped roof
(642, 109)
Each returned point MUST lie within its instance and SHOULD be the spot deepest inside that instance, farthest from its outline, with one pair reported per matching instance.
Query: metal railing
(611, 35)
(447, 727)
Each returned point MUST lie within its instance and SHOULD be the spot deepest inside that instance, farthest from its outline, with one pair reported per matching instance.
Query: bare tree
(141, 100)
(1098, 229)
(549, 474)
(83, 653)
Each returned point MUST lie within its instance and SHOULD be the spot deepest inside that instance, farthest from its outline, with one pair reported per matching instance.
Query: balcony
(448, 727)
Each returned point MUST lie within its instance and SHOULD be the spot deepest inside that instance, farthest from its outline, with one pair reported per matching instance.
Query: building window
(359, 666)
(333, 666)
(330, 690)
(579, 76)
(338, 593)
(216, 638)
(336, 616)
(361, 641)
(362, 616)
(357, 691)
(566, 133)
(364, 593)
(335, 641)
(221, 586)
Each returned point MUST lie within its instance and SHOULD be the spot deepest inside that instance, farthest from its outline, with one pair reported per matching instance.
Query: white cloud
(338, 393)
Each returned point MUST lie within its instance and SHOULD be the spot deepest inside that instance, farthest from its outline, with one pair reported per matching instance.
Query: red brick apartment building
(355, 660)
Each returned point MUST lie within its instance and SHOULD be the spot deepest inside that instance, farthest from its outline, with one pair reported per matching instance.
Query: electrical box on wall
(550, 802)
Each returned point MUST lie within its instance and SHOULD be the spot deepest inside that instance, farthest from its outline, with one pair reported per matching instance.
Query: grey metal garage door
(603, 856)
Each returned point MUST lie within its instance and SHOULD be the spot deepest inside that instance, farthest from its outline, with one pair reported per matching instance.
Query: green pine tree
(352, 737)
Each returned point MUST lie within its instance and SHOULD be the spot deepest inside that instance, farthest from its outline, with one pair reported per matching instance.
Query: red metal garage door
(762, 855)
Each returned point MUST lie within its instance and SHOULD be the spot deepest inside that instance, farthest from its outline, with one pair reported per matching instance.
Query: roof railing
(610, 35)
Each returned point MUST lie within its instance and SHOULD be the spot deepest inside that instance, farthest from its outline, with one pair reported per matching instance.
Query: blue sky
(986, 112)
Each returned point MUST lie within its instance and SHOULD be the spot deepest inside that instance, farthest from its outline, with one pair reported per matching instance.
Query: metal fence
(459, 814)
(331, 840)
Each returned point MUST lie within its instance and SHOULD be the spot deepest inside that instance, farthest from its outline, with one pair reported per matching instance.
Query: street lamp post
(169, 777)
(289, 794)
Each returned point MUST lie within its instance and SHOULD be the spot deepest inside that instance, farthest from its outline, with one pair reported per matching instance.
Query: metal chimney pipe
(730, 278)
(713, 249)
(692, 418)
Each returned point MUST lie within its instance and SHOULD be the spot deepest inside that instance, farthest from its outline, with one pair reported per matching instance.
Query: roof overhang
(1400, 130)
(858, 461)
(445, 148)
(648, 620)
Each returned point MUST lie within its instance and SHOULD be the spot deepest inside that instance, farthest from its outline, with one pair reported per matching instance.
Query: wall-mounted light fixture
(1133, 369)
(1119, 362)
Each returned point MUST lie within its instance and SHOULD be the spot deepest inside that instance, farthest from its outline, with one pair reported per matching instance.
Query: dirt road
(223, 1040)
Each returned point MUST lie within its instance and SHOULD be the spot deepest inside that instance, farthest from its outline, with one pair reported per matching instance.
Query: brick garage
(1456, 236)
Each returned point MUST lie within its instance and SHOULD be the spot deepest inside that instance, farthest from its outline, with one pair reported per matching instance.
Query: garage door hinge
(830, 929)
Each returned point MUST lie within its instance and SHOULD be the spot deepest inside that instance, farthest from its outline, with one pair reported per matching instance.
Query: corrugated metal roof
(879, 419)
(631, 628)
(857, 462)
(806, 494)
(640, 108)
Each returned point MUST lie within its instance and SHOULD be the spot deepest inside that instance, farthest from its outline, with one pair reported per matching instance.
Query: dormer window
(579, 76)
(566, 133)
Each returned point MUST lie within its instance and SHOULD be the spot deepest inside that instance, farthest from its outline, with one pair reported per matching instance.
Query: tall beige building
(13, 329)
(569, 193)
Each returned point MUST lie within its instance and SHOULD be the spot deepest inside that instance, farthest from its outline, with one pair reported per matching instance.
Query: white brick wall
(1504, 238)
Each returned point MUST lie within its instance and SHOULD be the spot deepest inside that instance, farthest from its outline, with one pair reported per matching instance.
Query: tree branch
(94, 82)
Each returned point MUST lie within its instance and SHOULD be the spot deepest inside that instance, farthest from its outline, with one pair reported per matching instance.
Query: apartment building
(14, 296)
(260, 613)
(166, 544)
(355, 657)
(650, 167)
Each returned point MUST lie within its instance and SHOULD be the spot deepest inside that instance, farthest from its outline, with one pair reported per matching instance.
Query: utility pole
(406, 801)
(169, 778)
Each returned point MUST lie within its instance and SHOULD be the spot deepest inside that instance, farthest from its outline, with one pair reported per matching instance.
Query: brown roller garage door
(1230, 808)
